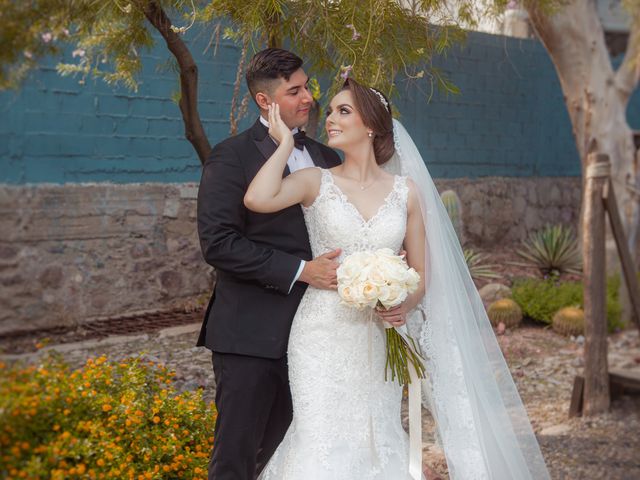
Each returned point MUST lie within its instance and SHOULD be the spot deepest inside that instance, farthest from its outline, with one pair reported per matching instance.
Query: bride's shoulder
(309, 173)
(310, 177)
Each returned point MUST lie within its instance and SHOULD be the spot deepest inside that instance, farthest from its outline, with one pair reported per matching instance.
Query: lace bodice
(333, 221)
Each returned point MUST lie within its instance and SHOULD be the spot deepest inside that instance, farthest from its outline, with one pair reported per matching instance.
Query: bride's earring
(370, 134)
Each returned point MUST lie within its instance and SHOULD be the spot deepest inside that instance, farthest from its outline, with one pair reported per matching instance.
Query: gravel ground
(542, 363)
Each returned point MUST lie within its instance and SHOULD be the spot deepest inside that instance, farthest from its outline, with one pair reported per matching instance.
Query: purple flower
(345, 72)
(355, 35)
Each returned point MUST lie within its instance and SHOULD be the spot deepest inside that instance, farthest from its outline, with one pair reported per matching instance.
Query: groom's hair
(269, 65)
(375, 109)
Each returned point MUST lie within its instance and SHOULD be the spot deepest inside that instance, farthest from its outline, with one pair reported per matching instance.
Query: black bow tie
(300, 140)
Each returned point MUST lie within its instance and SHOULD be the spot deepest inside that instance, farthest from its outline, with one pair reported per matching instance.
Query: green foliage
(540, 299)
(108, 37)
(554, 250)
(478, 268)
(505, 311)
(375, 41)
(569, 321)
(104, 420)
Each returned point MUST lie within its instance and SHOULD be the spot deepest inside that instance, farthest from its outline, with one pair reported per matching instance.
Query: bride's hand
(396, 316)
(277, 128)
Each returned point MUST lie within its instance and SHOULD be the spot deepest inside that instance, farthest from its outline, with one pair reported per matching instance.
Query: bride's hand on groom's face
(277, 128)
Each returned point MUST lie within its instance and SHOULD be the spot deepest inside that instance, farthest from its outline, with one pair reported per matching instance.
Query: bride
(346, 417)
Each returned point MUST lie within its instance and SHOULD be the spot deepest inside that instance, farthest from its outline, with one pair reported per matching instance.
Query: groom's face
(294, 98)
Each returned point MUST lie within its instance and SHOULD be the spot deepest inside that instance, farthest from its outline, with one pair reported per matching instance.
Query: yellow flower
(100, 462)
(156, 419)
(106, 407)
(81, 469)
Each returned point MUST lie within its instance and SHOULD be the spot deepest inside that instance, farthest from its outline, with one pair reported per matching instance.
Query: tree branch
(194, 132)
(628, 74)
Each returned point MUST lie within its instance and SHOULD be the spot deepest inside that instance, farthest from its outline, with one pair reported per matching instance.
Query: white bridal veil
(482, 424)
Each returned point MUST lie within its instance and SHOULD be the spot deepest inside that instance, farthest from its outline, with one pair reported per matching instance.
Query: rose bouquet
(383, 279)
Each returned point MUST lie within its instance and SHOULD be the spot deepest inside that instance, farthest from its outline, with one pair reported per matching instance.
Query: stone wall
(501, 211)
(75, 253)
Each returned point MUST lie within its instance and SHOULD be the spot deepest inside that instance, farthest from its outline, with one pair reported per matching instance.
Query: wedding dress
(346, 418)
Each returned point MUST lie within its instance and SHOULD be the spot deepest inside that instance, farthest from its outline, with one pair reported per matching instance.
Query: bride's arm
(269, 192)
(415, 246)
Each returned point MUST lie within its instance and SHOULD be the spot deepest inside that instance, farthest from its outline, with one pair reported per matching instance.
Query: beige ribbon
(415, 416)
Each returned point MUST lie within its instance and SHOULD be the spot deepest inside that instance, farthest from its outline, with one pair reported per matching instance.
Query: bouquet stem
(400, 352)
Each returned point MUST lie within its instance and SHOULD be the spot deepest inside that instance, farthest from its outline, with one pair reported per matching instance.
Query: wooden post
(628, 267)
(596, 376)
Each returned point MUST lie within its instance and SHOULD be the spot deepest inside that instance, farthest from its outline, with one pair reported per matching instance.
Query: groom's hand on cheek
(321, 271)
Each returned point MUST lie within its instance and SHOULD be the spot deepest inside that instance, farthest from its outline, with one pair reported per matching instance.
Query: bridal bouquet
(383, 279)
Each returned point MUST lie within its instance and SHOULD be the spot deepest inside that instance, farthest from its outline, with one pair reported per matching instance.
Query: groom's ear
(263, 100)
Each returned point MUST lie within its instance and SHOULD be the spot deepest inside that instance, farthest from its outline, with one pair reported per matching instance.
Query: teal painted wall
(510, 119)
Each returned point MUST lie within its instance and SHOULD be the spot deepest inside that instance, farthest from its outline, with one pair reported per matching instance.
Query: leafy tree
(375, 40)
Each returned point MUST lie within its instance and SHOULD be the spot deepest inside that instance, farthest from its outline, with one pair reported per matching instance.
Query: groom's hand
(321, 271)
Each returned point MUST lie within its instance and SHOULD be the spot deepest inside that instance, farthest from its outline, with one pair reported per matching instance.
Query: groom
(263, 266)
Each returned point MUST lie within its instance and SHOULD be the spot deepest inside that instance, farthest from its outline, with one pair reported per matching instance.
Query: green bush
(111, 420)
(541, 299)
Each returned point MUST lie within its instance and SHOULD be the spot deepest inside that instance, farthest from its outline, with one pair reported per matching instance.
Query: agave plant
(478, 268)
(554, 250)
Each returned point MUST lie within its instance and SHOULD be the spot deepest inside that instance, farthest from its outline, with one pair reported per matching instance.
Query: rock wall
(71, 254)
(502, 211)
(74, 253)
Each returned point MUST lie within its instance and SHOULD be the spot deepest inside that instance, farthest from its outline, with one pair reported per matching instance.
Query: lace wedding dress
(346, 418)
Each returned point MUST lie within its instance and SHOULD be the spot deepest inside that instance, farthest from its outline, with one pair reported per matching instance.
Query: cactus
(505, 311)
(453, 206)
(569, 321)
(554, 250)
(478, 268)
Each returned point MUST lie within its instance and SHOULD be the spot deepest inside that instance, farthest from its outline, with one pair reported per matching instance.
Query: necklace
(362, 185)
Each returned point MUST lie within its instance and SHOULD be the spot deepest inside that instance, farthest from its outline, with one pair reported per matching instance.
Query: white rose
(395, 295)
(370, 291)
(412, 280)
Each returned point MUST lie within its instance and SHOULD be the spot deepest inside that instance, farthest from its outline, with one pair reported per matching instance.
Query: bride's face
(344, 124)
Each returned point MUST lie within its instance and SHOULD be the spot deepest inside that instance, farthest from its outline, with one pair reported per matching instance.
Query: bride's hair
(376, 114)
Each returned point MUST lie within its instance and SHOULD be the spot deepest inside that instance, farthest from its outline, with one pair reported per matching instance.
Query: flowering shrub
(112, 420)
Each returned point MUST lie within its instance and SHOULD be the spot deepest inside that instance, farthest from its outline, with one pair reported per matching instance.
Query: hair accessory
(380, 97)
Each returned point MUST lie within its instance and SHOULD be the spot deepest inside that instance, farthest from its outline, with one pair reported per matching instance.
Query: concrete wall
(510, 119)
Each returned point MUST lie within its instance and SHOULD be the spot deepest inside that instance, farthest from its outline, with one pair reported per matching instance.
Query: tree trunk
(596, 97)
(194, 132)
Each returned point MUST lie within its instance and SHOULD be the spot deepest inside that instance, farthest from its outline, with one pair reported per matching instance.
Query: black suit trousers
(254, 407)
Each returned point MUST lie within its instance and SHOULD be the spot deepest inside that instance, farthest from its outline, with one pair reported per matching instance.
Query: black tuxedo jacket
(256, 255)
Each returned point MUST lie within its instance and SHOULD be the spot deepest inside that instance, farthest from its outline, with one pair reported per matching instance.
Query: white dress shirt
(297, 160)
